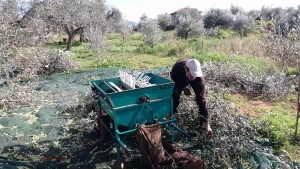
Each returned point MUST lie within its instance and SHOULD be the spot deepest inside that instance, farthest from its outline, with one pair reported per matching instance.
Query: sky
(133, 9)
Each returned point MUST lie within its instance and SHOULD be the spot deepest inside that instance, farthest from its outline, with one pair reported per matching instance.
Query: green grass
(281, 117)
(225, 33)
(282, 120)
(131, 51)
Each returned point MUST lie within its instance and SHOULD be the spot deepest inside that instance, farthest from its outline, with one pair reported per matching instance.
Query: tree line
(192, 24)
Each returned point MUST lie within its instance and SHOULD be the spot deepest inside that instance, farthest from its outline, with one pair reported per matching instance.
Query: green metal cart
(132, 106)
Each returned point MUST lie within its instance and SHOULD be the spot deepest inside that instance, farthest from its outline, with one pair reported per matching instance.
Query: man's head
(193, 69)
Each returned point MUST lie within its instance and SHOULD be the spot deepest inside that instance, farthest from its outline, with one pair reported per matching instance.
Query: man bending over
(188, 72)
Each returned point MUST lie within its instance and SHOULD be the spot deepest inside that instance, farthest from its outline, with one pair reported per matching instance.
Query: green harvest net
(57, 118)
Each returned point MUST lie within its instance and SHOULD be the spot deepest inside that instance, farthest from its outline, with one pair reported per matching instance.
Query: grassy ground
(132, 52)
(280, 115)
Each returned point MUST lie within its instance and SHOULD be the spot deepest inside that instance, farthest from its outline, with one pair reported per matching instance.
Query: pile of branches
(236, 137)
(17, 95)
(241, 79)
(29, 63)
(16, 71)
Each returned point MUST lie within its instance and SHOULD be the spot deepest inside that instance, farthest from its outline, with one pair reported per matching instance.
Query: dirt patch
(250, 104)
(248, 110)
(261, 104)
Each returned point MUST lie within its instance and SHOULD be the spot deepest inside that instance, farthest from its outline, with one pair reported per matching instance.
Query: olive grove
(93, 19)
(32, 23)
(23, 28)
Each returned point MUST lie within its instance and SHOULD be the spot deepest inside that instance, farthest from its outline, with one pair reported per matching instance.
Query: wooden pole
(298, 104)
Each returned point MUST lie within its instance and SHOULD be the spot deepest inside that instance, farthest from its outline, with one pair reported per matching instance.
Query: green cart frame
(132, 107)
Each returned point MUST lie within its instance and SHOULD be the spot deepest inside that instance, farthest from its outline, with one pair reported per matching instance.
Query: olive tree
(189, 23)
(143, 19)
(150, 28)
(73, 16)
(165, 21)
(218, 18)
(21, 25)
(236, 10)
(243, 24)
(266, 13)
(23, 31)
(117, 23)
(284, 47)
(255, 14)
(94, 19)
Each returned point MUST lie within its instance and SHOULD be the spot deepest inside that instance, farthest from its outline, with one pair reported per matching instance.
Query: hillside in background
(130, 23)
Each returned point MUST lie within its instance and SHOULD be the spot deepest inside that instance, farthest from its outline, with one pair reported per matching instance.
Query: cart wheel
(106, 120)
(100, 126)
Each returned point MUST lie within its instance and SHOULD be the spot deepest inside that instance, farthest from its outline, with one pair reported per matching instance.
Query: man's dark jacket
(198, 85)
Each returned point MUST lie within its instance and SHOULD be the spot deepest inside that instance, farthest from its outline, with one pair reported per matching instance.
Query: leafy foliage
(116, 22)
(165, 22)
(255, 14)
(240, 79)
(73, 17)
(190, 24)
(243, 24)
(217, 17)
(21, 26)
(151, 30)
(236, 10)
(283, 47)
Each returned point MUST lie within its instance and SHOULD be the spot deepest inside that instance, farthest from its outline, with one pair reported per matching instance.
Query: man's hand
(186, 91)
(208, 129)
